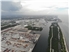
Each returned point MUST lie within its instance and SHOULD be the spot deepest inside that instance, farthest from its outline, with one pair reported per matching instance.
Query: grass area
(50, 35)
(55, 39)
(63, 49)
(34, 28)
(7, 26)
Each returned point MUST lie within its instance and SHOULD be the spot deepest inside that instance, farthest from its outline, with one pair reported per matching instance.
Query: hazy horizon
(34, 7)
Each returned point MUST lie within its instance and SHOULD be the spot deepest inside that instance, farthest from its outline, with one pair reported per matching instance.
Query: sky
(34, 7)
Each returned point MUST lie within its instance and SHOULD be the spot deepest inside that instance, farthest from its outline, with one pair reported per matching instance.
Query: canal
(42, 44)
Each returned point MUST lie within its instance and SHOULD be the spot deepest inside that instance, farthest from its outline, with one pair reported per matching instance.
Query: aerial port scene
(34, 26)
(27, 34)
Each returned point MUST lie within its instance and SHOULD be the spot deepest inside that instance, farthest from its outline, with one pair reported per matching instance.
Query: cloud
(10, 6)
(37, 5)
(34, 7)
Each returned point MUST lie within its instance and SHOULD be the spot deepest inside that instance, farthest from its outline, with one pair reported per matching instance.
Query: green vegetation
(55, 39)
(50, 35)
(7, 26)
(63, 49)
(34, 28)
